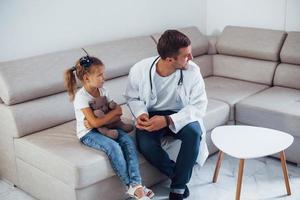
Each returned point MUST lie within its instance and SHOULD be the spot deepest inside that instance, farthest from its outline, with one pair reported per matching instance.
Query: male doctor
(166, 94)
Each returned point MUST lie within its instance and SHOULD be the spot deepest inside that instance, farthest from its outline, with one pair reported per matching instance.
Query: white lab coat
(191, 92)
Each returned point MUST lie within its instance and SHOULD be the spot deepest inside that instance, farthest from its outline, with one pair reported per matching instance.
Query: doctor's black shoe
(186, 193)
(175, 196)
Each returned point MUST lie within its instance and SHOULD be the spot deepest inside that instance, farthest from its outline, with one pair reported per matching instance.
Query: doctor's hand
(156, 123)
(142, 121)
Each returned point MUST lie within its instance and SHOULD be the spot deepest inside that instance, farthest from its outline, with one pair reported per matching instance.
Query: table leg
(218, 165)
(285, 172)
(240, 178)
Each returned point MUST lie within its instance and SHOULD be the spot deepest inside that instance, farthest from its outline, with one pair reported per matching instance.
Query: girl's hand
(117, 111)
(115, 119)
(87, 124)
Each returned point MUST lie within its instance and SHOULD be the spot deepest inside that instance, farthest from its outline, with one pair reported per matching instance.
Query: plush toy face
(100, 103)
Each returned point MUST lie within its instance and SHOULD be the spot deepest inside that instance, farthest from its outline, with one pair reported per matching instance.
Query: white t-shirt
(167, 95)
(82, 100)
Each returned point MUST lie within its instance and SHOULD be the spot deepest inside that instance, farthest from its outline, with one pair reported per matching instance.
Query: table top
(246, 142)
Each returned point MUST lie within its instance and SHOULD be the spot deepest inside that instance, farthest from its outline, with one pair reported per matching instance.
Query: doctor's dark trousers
(149, 144)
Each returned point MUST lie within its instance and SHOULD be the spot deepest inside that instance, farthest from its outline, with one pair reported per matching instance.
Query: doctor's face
(182, 59)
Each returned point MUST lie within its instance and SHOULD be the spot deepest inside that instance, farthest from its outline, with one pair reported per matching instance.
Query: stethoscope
(180, 82)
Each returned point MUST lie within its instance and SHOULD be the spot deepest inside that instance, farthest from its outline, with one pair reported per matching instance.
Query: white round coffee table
(246, 142)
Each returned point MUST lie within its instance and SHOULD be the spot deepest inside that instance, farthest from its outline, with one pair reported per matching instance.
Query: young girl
(121, 151)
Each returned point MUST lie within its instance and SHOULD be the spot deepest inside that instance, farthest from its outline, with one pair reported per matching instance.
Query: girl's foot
(137, 192)
(148, 192)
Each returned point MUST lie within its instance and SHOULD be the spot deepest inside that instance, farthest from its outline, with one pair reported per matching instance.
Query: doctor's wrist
(168, 120)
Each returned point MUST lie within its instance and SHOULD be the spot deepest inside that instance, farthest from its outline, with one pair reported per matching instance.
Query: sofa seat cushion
(58, 152)
(276, 107)
(230, 91)
(217, 114)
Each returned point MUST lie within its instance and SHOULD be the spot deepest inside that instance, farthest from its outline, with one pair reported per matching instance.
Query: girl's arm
(108, 118)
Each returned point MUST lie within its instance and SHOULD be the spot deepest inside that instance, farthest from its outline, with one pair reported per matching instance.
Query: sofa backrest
(200, 48)
(32, 89)
(31, 78)
(248, 42)
(249, 54)
(288, 72)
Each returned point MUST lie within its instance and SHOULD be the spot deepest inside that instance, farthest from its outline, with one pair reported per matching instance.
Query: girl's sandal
(148, 192)
(131, 192)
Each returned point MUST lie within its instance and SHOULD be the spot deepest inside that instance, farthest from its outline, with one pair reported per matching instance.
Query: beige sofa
(250, 79)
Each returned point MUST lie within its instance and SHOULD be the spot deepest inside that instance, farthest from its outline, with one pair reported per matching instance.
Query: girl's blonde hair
(80, 70)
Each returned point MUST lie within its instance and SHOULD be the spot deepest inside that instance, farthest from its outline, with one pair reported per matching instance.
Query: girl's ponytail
(70, 82)
(81, 68)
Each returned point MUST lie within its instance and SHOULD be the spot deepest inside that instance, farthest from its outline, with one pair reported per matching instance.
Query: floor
(263, 180)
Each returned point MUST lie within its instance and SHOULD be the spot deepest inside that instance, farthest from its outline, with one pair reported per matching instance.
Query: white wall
(271, 14)
(293, 15)
(32, 27)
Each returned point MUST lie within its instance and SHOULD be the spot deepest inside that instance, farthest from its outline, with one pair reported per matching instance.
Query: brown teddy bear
(100, 107)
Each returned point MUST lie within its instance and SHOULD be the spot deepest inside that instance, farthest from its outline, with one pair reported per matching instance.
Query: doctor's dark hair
(170, 42)
(81, 68)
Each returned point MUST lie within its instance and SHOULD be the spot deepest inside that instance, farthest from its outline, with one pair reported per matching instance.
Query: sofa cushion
(290, 52)
(212, 41)
(205, 64)
(42, 75)
(116, 88)
(247, 69)
(217, 114)
(44, 186)
(251, 42)
(199, 41)
(34, 77)
(230, 91)
(276, 107)
(287, 75)
(58, 152)
(119, 56)
(31, 116)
